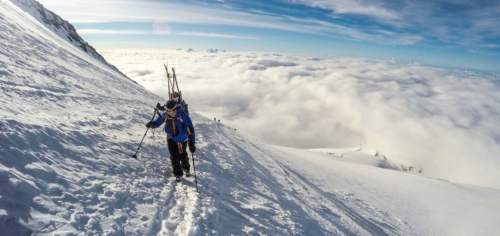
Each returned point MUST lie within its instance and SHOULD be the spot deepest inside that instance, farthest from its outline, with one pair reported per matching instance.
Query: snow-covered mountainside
(60, 26)
(69, 123)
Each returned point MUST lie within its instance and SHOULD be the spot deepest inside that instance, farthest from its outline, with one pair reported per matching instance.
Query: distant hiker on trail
(180, 134)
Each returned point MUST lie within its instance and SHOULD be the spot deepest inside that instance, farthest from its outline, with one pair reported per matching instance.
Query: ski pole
(140, 144)
(194, 170)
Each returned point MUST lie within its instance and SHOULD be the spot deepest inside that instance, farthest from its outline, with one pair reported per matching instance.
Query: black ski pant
(178, 157)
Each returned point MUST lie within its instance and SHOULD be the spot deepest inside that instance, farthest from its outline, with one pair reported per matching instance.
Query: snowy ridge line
(47, 44)
(62, 28)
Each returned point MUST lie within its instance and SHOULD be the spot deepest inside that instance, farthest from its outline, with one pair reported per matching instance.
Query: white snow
(69, 123)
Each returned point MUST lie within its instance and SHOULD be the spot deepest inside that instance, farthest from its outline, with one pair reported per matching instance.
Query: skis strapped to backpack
(173, 85)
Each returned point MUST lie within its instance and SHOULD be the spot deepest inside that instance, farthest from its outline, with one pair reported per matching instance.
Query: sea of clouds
(443, 121)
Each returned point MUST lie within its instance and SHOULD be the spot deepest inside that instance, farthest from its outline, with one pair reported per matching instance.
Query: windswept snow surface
(68, 124)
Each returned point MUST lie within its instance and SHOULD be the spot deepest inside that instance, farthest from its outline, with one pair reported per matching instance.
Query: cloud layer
(443, 121)
(163, 32)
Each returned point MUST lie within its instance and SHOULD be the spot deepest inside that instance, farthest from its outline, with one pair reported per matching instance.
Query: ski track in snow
(176, 214)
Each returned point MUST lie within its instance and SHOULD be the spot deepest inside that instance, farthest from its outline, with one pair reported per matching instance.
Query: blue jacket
(179, 129)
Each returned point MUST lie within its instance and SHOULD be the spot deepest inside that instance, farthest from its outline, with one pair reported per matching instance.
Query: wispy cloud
(148, 11)
(119, 32)
(354, 7)
(460, 23)
(215, 35)
(163, 32)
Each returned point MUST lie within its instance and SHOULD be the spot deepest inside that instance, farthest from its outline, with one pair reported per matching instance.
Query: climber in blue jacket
(180, 134)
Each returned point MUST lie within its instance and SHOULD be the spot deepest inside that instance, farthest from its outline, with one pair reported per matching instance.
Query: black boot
(187, 173)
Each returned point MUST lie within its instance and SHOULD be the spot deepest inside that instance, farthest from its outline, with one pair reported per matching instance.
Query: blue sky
(455, 33)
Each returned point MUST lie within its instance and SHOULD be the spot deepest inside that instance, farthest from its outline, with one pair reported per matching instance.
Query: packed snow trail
(175, 214)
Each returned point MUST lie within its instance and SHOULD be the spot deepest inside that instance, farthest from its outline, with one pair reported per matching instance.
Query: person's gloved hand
(149, 124)
(192, 147)
(160, 107)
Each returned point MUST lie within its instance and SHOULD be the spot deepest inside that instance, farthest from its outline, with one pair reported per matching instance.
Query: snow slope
(69, 122)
